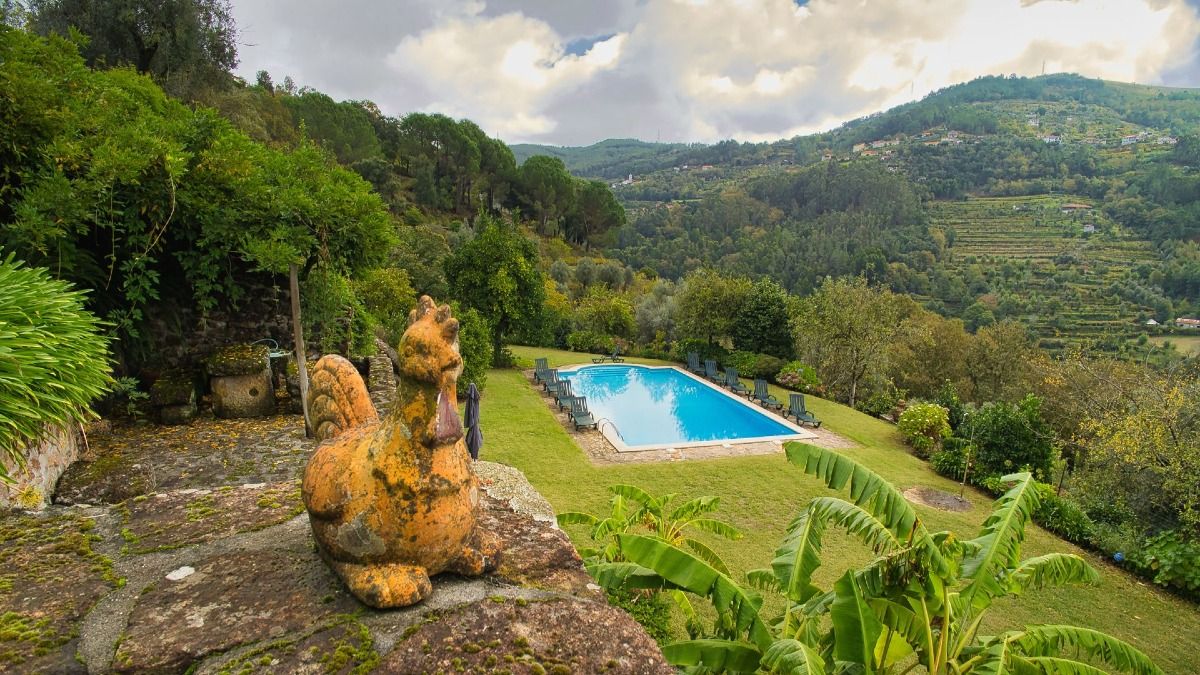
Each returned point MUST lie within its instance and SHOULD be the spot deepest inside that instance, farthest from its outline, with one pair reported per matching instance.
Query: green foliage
(882, 401)
(333, 316)
(590, 341)
(547, 191)
(53, 357)
(651, 610)
(919, 602)
(243, 359)
(844, 330)
(1062, 516)
(707, 305)
(497, 274)
(385, 292)
(176, 42)
(1172, 559)
(799, 376)
(956, 410)
(595, 211)
(761, 324)
(753, 365)
(1008, 437)
(607, 313)
(951, 460)
(924, 426)
(475, 346)
(344, 129)
(152, 204)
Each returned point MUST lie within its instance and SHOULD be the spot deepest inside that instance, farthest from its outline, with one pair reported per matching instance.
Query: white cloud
(701, 70)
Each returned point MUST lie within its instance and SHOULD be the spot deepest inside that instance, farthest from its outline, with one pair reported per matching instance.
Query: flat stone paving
(187, 549)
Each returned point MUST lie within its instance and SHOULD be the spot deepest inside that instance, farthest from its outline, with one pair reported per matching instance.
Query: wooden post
(301, 357)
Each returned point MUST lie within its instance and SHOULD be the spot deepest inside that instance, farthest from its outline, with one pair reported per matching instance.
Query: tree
(844, 330)
(171, 40)
(998, 362)
(761, 325)
(497, 274)
(923, 598)
(606, 312)
(595, 212)
(927, 353)
(547, 190)
(1010, 437)
(707, 305)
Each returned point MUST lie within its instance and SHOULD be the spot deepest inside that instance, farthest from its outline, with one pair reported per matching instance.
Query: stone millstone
(250, 395)
(561, 635)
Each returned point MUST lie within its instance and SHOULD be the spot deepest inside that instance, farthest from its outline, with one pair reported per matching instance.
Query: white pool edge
(608, 432)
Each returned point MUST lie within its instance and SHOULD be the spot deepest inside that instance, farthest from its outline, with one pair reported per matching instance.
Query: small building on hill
(1187, 323)
(1075, 207)
(1089, 228)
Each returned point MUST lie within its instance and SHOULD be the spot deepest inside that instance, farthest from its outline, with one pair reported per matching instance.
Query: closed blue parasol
(474, 434)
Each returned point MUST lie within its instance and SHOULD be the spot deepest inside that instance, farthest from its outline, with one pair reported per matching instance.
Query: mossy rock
(243, 359)
(174, 387)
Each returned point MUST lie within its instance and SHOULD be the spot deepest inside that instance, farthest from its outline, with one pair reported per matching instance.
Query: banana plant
(633, 508)
(920, 602)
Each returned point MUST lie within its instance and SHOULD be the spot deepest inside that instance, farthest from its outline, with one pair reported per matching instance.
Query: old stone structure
(395, 501)
(46, 460)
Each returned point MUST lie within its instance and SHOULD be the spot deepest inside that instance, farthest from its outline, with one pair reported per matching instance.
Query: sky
(573, 72)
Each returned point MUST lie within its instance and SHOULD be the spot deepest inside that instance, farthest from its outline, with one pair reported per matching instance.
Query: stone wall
(45, 462)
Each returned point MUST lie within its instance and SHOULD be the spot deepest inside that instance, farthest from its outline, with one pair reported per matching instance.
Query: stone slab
(560, 635)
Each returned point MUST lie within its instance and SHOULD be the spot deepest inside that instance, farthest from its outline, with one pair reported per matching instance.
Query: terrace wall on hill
(45, 462)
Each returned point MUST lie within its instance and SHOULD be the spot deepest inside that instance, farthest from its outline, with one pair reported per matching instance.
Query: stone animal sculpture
(394, 500)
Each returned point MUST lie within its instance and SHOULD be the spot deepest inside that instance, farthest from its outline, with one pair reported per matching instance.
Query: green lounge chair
(614, 357)
(765, 397)
(540, 368)
(802, 415)
(564, 395)
(735, 385)
(710, 371)
(694, 363)
(550, 382)
(581, 417)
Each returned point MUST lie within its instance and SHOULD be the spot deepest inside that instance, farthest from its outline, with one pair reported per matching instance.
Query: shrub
(882, 402)
(1062, 516)
(951, 459)
(753, 365)
(924, 426)
(799, 376)
(589, 341)
(948, 398)
(386, 293)
(701, 347)
(475, 346)
(334, 316)
(54, 354)
(1010, 438)
(1172, 560)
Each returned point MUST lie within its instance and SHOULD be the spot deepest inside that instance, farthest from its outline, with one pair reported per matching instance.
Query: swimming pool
(661, 407)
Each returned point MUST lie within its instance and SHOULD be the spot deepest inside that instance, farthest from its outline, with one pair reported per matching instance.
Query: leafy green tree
(761, 325)
(606, 312)
(1010, 437)
(497, 273)
(923, 598)
(977, 316)
(343, 129)
(844, 330)
(595, 211)
(999, 360)
(386, 293)
(55, 362)
(168, 40)
(475, 345)
(547, 190)
(707, 305)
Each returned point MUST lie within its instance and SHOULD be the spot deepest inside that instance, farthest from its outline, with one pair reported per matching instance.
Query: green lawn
(760, 495)
(1184, 344)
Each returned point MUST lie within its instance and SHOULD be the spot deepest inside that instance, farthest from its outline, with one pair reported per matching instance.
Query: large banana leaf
(1052, 665)
(687, 572)
(627, 576)
(718, 655)
(856, 629)
(874, 494)
(1037, 641)
(694, 507)
(716, 527)
(707, 555)
(1052, 569)
(576, 518)
(792, 657)
(999, 542)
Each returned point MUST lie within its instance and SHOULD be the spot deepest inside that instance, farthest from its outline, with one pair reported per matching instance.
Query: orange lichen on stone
(338, 400)
(394, 501)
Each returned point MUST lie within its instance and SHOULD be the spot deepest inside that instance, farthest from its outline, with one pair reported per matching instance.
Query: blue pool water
(662, 406)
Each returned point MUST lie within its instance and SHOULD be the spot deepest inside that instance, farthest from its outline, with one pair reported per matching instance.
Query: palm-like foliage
(920, 602)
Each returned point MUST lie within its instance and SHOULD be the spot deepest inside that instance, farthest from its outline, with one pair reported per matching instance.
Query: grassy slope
(761, 495)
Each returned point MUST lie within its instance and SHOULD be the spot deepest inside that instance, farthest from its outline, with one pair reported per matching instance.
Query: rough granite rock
(228, 600)
(535, 554)
(559, 635)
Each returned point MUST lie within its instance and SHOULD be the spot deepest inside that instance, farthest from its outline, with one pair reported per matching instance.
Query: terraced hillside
(1036, 260)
